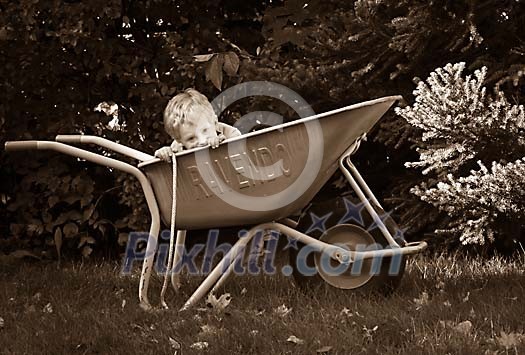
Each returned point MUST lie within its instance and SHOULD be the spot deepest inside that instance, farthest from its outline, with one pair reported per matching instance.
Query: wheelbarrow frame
(225, 267)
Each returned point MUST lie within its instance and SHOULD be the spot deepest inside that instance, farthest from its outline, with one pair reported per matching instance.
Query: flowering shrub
(463, 130)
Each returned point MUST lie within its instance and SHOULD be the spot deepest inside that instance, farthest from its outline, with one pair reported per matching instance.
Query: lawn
(445, 304)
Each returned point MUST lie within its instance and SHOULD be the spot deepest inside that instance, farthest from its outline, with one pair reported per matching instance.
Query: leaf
(163, 89)
(14, 256)
(48, 308)
(86, 251)
(46, 217)
(16, 229)
(214, 71)
(219, 304)
(324, 349)
(464, 327)
(61, 219)
(70, 230)
(200, 345)
(122, 238)
(282, 310)
(86, 239)
(208, 330)
(421, 301)
(511, 340)
(203, 57)
(174, 344)
(231, 63)
(58, 242)
(295, 340)
(19, 254)
(88, 212)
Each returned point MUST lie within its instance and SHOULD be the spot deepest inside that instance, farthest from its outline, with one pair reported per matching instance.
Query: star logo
(292, 243)
(353, 212)
(399, 235)
(318, 223)
(383, 217)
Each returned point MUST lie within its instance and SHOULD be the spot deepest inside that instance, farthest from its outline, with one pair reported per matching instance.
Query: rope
(169, 267)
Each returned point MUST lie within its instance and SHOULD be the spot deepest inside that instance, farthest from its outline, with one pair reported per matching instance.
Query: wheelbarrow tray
(208, 179)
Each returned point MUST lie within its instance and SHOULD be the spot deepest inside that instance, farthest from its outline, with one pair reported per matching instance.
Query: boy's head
(189, 118)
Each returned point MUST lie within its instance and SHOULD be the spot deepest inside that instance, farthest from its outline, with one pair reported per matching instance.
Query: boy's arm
(165, 153)
(227, 130)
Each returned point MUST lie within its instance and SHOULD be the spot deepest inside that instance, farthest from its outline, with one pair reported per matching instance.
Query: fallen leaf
(208, 329)
(243, 291)
(260, 312)
(440, 285)
(219, 304)
(2, 322)
(174, 343)
(346, 312)
(464, 327)
(510, 340)
(282, 310)
(446, 324)
(295, 340)
(200, 345)
(421, 301)
(465, 299)
(324, 349)
(48, 308)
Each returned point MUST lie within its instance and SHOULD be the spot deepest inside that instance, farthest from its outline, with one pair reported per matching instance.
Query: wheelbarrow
(261, 179)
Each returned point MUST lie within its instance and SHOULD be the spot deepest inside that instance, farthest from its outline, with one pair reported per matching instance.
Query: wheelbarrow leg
(147, 266)
(224, 267)
(347, 168)
(151, 247)
(226, 274)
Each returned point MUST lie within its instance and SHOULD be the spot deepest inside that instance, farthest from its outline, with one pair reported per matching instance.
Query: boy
(190, 120)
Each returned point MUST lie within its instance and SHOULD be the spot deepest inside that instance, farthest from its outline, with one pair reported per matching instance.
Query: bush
(464, 130)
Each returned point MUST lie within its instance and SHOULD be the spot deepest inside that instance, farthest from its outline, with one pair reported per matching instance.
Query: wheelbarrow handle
(20, 145)
(104, 143)
(69, 138)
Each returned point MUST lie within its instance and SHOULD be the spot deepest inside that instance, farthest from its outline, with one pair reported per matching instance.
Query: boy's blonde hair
(181, 107)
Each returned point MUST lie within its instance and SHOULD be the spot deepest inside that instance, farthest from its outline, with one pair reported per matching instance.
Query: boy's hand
(176, 147)
(214, 141)
(164, 153)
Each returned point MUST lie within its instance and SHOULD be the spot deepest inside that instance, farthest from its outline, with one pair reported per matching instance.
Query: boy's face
(196, 132)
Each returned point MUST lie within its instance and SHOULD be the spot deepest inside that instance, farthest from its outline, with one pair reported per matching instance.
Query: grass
(445, 304)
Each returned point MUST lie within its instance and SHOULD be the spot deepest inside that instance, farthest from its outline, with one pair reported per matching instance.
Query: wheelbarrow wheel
(331, 222)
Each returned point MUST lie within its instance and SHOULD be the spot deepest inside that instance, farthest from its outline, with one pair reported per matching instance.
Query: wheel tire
(382, 282)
